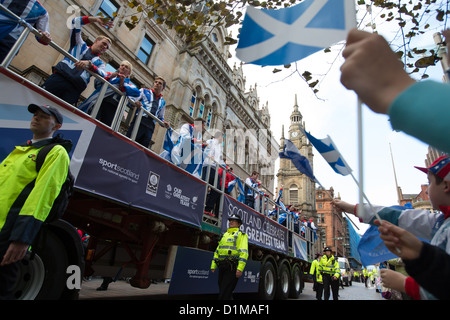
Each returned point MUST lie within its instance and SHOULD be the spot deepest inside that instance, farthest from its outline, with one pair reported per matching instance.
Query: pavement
(118, 289)
(122, 290)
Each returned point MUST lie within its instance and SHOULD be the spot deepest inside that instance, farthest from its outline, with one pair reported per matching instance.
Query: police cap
(235, 217)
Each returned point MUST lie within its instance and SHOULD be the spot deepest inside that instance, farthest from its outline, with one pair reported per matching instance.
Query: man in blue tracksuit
(32, 12)
(69, 79)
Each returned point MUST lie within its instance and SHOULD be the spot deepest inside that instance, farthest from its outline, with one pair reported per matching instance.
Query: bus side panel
(192, 274)
(103, 163)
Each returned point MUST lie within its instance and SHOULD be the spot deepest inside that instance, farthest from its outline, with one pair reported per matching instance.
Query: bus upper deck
(109, 166)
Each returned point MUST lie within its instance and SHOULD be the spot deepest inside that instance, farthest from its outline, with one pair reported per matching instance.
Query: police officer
(329, 268)
(230, 256)
(317, 277)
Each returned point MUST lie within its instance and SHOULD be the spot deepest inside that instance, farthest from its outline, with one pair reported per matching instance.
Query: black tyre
(54, 257)
(267, 283)
(283, 283)
(296, 282)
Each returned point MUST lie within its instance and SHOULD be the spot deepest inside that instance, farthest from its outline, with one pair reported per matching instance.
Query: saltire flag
(372, 249)
(241, 197)
(191, 162)
(170, 140)
(291, 152)
(281, 36)
(330, 153)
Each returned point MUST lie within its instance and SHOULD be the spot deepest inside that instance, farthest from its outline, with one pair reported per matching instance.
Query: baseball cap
(440, 167)
(52, 111)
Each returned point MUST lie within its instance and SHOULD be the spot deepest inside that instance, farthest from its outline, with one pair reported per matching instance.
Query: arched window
(192, 104)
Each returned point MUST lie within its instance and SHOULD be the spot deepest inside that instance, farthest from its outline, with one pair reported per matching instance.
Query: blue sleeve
(423, 111)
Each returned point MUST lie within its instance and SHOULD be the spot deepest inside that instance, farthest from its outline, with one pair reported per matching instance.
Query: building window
(208, 119)
(293, 195)
(200, 111)
(192, 104)
(214, 37)
(146, 49)
(108, 9)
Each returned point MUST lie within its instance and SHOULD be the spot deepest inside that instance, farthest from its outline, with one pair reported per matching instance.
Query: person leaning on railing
(69, 79)
(121, 81)
(31, 12)
(153, 102)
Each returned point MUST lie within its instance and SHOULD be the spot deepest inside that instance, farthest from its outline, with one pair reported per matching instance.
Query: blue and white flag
(330, 153)
(291, 152)
(241, 197)
(372, 249)
(191, 161)
(279, 37)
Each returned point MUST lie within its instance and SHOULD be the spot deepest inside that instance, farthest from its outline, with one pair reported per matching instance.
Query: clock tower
(298, 189)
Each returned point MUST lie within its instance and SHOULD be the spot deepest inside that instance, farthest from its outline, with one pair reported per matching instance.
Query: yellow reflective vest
(24, 208)
(315, 270)
(329, 266)
(232, 246)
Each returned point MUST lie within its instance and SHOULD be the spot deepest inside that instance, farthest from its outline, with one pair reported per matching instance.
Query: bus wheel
(30, 277)
(267, 282)
(283, 282)
(296, 282)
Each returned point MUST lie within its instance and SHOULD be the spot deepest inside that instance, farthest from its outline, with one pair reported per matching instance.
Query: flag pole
(329, 194)
(362, 196)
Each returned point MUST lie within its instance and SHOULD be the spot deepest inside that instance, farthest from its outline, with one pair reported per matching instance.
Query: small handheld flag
(279, 37)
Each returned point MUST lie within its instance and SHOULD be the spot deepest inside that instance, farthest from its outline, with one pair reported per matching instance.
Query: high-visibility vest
(233, 246)
(329, 266)
(315, 270)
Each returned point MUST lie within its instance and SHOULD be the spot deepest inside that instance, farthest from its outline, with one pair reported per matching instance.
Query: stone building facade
(298, 189)
(200, 82)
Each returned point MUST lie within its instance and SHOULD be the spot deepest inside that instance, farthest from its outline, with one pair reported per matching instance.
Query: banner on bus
(261, 230)
(300, 247)
(192, 274)
(118, 170)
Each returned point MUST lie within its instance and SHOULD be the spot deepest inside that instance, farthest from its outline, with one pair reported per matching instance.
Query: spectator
(427, 264)
(427, 225)
(69, 79)
(386, 88)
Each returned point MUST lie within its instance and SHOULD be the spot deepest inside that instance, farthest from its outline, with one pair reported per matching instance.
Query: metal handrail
(117, 117)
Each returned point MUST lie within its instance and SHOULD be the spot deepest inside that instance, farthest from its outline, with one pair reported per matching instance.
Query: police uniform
(317, 277)
(231, 255)
(329, 268)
